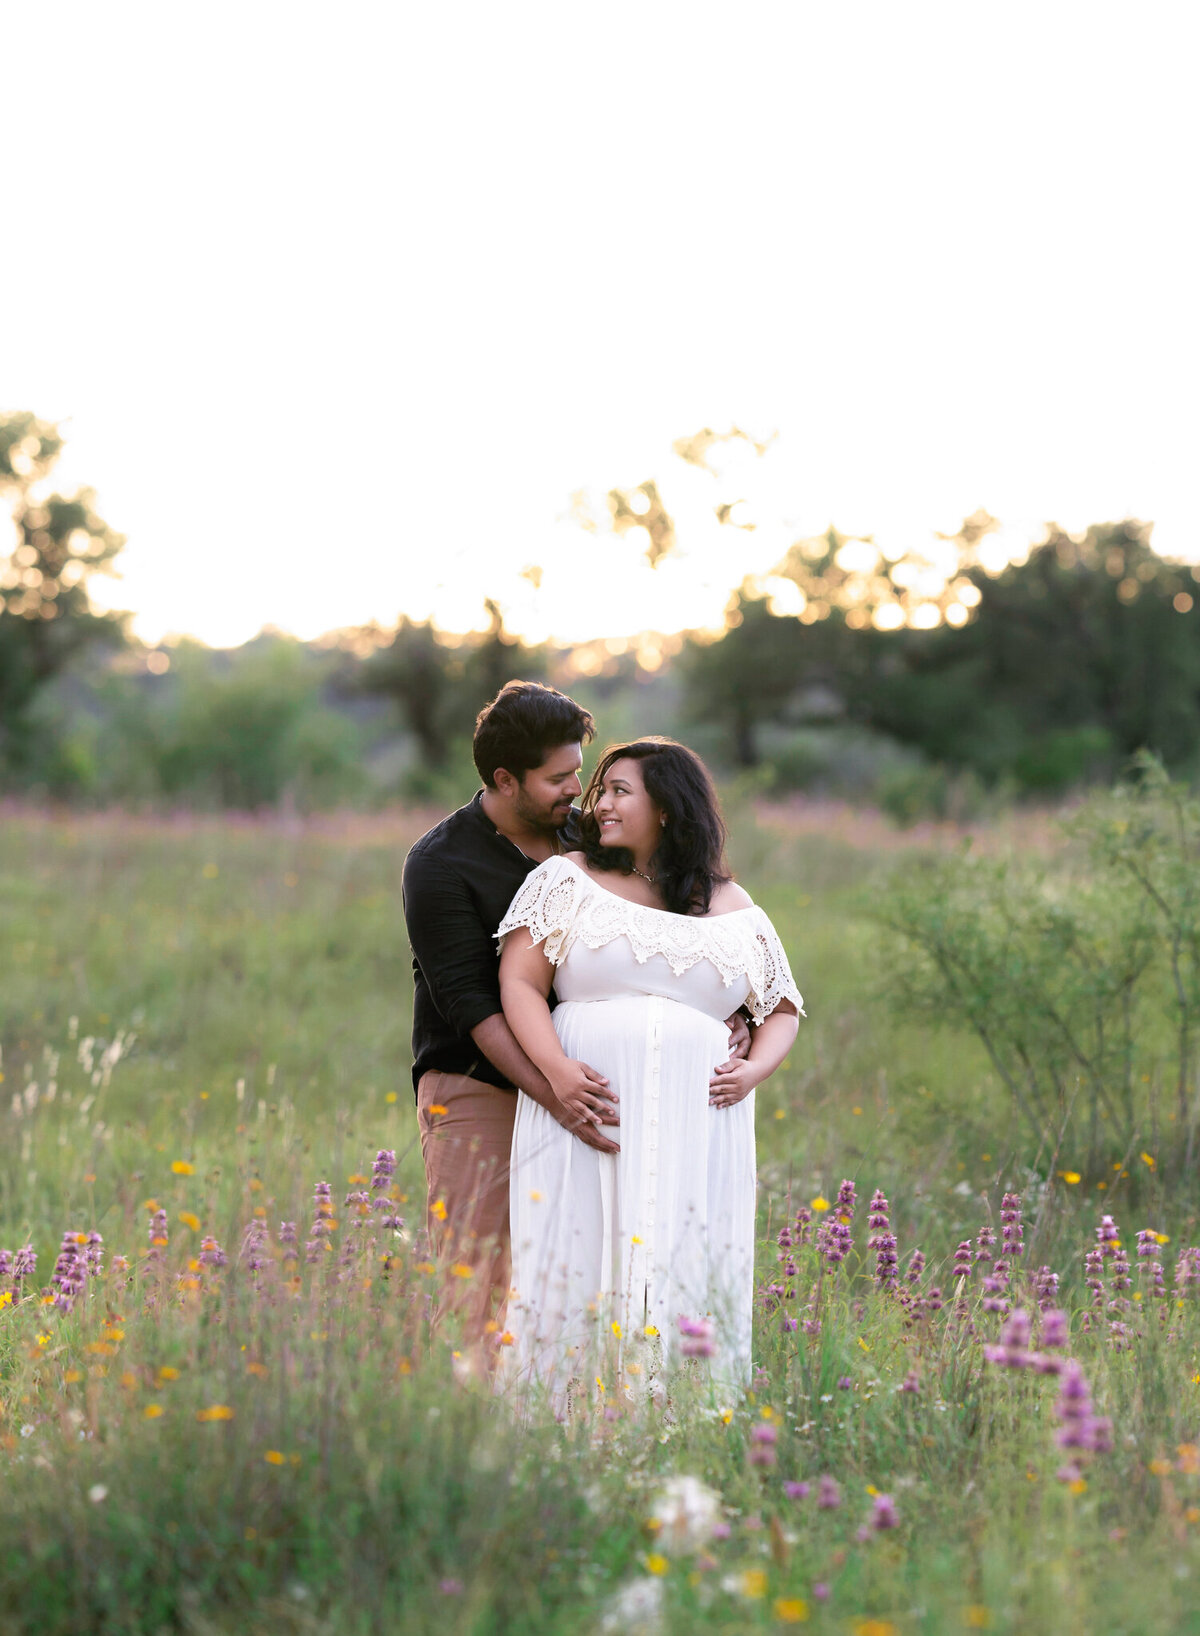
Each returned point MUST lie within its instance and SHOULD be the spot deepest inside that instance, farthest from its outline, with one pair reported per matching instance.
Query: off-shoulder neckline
(650, 908)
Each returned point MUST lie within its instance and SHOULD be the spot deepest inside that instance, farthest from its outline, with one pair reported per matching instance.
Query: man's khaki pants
(466, 1139)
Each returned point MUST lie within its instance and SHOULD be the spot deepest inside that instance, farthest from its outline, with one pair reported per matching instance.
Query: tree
(59, 543)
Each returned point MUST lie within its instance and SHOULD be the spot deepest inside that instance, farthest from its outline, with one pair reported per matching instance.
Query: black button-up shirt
(459, 880)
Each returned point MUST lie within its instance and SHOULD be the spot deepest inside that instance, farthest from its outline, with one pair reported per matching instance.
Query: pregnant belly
(633, 1039)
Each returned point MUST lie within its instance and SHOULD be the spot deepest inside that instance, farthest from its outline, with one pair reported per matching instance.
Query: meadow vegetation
(233, 1396)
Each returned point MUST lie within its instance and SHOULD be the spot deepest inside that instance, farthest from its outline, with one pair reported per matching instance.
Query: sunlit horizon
(348, 308)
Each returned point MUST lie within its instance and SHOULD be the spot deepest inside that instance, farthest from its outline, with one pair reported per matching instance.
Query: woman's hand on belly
(585, 1095)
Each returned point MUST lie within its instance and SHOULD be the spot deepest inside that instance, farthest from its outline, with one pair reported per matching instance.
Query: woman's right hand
(584, 1095)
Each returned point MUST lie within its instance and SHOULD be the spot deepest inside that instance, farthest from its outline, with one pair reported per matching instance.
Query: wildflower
(182, 1168)
(1187, 1272)
(254, 1246)
(796, 1491)
(763, 1439)
(916, 1266)
(94, 1254)
(219, 1411)
(1093, 1267)
(844, 1383)
(820, 1591)
(753, 1584)
(911, 1382)
(450, 1587)
(1080, 1429)
(984, 1243)
(829, 1495)
(273, 1457)
(884, 1514)
(1011, 1229)
(656, 1563)
(686, 1512)
(190, 1220)
(211, 1253)
(97, 1493)
(1045, 1288)
(1107, 1236)
(933, 1301)
(288, 1240)
(70, 1272)
(845, 1201)
(963, 1260)
(382, 1172)
(803, 1222)
(1055, 1327)
(819, 1204)
(697, 1338)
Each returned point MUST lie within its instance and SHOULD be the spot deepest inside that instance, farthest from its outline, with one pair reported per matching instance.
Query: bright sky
(338, 305)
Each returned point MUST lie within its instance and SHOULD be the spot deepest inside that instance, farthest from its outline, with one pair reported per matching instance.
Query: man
(459, 880)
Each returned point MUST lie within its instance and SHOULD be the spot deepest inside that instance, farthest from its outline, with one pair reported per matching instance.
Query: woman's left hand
(731, 1083)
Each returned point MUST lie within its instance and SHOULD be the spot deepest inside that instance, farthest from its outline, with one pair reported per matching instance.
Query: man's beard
(550, 819)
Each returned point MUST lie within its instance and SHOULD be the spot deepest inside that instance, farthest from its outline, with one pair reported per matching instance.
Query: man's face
(546, 794)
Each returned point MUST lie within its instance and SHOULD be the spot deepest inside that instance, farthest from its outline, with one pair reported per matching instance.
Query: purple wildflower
(763, 1439)
(933, 1301)
(382, 1172)
(820, 1591)
(254, 1245)
(1056, 1329)
(916, 1266)
(884, 1515)
(984, 1243)
(288, 1240)
(845, 1383)
(1187, 1272)
(803, 1222)
(1108, 1236)
(1011, 1229)
(1074, 1409)
(211, 1253)
(878, 1219)
(843, 1205)
(70, 1271)
(1093, 1265)
(796, 1491)
(829, 1495)
(1045, 1287)
(24, 1263)
(911, 1382)
(962, 1260)
(696, 1338)
(94, 1254)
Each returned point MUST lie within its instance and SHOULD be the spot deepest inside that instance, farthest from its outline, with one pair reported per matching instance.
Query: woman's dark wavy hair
(690, 862)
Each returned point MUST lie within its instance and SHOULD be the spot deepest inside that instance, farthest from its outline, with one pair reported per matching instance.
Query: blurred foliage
(59, 543)
(1082, 984)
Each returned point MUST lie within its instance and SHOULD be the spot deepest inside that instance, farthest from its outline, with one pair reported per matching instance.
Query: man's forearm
(495, 1039)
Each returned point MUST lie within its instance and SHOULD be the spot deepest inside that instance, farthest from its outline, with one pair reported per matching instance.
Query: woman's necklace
(642, 873)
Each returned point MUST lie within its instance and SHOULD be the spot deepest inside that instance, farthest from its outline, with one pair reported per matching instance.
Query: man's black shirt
(459, 879)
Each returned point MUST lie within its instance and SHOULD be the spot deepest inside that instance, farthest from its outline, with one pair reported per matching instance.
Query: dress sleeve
(546, 903)
(770, 975)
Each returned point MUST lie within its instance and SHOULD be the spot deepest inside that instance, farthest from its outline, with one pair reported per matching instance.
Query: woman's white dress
(611, 1249)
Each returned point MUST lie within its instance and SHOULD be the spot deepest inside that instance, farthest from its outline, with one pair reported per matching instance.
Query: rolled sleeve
(455, 950)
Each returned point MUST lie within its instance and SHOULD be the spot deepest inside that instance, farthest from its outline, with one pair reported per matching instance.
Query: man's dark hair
(522, 725)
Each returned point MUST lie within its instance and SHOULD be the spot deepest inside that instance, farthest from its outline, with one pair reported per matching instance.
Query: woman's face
(625, 812)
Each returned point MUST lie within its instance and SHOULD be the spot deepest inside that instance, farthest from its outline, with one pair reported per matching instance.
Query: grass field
(229, 1431)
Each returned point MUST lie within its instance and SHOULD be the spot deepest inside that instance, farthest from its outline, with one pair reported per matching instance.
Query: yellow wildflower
(182, 1168)
(152, 1411)
(168, 1372)
(819, 1203)
(274, 1458)
(219, 1411)
(754, 1583)
(6, 1298)
(438, 1209)
(1070, 1177)
(656, 1563)
(437, 1110)
(790, 1610)
(190, 1220)
(461, 1270)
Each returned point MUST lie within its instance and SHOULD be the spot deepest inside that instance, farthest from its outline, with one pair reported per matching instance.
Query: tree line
(1031, 676)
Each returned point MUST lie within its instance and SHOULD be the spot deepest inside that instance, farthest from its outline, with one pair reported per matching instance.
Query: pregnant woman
(649, 946)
